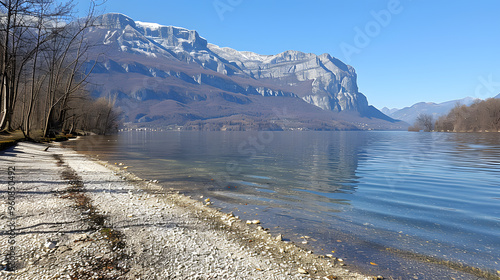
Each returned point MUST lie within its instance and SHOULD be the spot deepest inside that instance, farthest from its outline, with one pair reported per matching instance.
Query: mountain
(410, 114)
(171, 76)
(388, 111)
(498, 96)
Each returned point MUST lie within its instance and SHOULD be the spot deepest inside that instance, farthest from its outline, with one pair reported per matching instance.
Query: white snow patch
(150, 25)
(234, 55)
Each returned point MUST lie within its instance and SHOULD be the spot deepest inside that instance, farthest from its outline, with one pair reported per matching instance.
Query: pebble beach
(73, 217)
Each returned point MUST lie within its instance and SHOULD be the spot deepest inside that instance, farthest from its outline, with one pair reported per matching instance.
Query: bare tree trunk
(32, 89)
(4, 102)
(111, 105)
(4, 92)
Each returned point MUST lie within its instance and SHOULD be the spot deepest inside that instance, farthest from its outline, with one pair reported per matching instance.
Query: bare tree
(21, 25)
(12, 29)
(66, 63)
(480, 116)
(492, 114)
(444, 123)
(96, 116)
(44, 61)
(42, 32)
(425, 121)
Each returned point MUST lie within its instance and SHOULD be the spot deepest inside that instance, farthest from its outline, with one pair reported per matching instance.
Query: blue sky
(403, 51)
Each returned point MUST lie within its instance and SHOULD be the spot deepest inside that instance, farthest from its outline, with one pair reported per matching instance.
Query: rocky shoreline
(79, 218)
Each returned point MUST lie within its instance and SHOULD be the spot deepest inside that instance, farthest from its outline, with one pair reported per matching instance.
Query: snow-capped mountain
(179, 69)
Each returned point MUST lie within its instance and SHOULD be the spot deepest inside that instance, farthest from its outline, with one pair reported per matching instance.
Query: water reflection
(291, 167)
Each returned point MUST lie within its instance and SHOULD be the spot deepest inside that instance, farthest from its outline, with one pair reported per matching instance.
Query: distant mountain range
(410, 114)
(170, 76)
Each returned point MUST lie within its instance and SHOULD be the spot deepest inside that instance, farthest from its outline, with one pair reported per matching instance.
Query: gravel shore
(78, 218)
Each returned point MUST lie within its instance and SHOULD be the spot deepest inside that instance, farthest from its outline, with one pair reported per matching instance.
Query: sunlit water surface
(381, 200)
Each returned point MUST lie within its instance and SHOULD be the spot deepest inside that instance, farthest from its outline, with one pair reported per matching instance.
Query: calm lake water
(392, 203)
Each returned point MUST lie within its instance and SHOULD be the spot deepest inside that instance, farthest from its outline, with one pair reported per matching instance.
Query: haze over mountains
(170, 76)
(410, 114)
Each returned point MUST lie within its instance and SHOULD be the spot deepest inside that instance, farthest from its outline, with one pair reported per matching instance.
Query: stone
(50, 244)
(302, 271)
(279, 237)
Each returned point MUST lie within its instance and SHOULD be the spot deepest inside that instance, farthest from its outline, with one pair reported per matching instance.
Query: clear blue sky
(431, 51)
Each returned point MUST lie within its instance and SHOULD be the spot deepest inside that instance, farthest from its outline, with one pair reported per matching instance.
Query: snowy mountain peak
(169, 36)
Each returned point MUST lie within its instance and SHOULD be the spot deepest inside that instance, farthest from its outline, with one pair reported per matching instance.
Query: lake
(404, 205)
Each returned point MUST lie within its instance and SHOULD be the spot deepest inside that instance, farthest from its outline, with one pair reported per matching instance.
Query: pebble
(302, 271)
(50, 244)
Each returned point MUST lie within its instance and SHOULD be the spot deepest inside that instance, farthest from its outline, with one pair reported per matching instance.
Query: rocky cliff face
(147, 61)
(332, 83)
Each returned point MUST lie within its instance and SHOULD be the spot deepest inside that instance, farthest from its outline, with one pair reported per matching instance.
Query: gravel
(79, 218)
